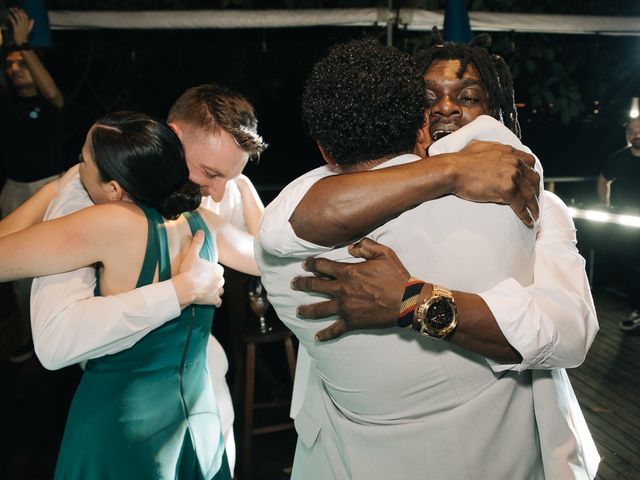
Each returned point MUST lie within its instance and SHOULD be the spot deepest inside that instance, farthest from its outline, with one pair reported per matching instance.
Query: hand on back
(364, 295)
(497, 173)
(199, 281)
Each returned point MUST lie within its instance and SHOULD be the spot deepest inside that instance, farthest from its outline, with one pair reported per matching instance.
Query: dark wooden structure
(607, 385)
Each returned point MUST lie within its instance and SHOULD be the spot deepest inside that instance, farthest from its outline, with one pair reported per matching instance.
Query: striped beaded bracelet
(409, 301)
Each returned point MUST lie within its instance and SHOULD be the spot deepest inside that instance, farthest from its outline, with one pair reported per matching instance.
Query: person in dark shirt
(619, 187)
(619, 182)
(31, 149)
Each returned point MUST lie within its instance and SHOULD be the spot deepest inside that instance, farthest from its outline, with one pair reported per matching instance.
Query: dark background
(561, 80)
(575, 90)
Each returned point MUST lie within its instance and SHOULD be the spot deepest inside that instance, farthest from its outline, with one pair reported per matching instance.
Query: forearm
(604, 189)
(477, 329)
(43, 80)
(30, 212)
(252, 206)
(341, 208)
(237, 251)
(70, 325)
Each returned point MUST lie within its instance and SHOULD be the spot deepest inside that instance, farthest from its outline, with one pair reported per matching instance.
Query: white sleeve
(484, 128)
(70, 324)
(553, 322)
(276, 235)
(230, 207)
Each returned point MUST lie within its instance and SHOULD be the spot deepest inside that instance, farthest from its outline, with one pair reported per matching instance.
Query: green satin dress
(149, 412)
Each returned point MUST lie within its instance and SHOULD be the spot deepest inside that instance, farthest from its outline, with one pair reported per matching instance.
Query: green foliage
(541, 63)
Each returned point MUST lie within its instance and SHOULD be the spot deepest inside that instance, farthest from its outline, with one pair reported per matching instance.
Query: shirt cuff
(161, 300)
(516, 315)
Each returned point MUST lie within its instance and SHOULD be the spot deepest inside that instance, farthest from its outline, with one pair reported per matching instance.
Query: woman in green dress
(147, 412)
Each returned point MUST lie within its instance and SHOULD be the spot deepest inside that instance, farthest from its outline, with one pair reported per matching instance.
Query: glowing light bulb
(635, 109)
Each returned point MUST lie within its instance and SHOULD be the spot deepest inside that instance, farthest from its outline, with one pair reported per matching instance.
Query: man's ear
(115, 192)
(327, 158)
(176, 128)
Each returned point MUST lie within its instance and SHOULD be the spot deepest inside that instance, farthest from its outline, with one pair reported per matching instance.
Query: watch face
(440, 314)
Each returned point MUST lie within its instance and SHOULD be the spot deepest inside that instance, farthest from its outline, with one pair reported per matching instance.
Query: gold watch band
(424, 325)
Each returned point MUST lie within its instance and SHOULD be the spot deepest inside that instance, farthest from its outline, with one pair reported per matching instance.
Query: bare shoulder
(212, 219)
(116, 213)
(110, 221)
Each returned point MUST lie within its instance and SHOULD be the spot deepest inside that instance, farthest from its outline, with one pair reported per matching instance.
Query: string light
(605, 217)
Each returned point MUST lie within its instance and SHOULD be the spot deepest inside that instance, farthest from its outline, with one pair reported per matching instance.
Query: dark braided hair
(493, 71)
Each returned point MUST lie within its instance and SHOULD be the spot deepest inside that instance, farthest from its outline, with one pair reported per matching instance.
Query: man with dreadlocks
(492, 75)
(547, 325)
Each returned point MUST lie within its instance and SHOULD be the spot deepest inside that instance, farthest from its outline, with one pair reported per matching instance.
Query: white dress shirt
(71, 325)
(551, 313)
(551, 322)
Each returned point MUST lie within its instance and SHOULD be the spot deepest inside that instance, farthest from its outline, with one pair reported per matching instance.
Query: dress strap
(162, 246)
(197, 223)
(157, 251)
(150, 262)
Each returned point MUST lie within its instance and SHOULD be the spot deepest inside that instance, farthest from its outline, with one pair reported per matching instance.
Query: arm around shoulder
(235, 247)
(71, 325)
(252, 206)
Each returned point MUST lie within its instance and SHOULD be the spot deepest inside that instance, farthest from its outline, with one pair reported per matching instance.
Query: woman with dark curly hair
(147, 412)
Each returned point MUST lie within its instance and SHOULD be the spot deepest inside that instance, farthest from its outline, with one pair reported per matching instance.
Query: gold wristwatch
(437, 316)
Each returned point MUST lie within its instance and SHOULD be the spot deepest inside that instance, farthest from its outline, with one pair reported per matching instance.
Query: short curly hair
(364, 101)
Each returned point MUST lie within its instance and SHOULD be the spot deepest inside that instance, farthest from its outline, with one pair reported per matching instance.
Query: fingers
(217, 292)
(220, 271)
(21, 23)
(531, 176)
(18, 16)
(528, 159)
(318, 310)
(196, 243)
(528, 189)
(218, 302)
(368, 249)
(315, 284)
(520, 209)
(323, 266)
(338, 328)
(531, 199)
